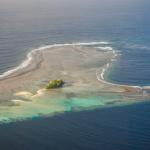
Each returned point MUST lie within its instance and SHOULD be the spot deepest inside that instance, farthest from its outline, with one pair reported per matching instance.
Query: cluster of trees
(55, 84)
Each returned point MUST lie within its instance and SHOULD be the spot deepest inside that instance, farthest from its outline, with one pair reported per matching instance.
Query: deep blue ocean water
(25, 25)
(120, 128)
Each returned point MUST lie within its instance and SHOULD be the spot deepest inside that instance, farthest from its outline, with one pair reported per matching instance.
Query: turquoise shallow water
(48, 105)
(112, 128)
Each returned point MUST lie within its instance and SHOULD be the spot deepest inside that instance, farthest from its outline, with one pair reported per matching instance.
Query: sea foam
(33, 52)
(105, 48)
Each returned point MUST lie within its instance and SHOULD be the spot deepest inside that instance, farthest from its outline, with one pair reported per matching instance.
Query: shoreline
(82, 68)
(29, 58)
(28, 62)
(35, 59)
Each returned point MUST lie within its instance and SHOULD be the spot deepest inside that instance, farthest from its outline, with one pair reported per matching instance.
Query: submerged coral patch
(81, 66)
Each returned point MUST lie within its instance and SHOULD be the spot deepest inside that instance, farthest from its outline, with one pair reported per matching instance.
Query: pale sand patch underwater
(22, 93)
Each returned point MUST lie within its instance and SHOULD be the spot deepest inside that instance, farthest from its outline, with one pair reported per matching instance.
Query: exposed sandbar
(82, 69)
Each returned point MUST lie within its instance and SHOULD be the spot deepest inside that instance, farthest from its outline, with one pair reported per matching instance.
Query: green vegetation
(55, 84)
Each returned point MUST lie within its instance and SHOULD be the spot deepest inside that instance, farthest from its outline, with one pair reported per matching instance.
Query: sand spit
(81, 67)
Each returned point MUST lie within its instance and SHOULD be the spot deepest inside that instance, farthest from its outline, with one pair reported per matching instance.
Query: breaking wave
(31, 54)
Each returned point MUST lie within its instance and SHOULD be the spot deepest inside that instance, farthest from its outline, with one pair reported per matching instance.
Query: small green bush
(55, 84)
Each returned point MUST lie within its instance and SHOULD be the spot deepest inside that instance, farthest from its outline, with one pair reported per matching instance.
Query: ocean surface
(124, 25)
(118, 128)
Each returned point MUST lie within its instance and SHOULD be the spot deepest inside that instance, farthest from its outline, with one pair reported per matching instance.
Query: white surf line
(101, 72)
(30, 55)
(100, 77)
(105, 48)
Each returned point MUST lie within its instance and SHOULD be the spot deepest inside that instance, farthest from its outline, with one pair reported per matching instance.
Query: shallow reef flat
(23, 93)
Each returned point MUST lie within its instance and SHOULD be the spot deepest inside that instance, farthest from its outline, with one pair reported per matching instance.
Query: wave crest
(31, 54)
